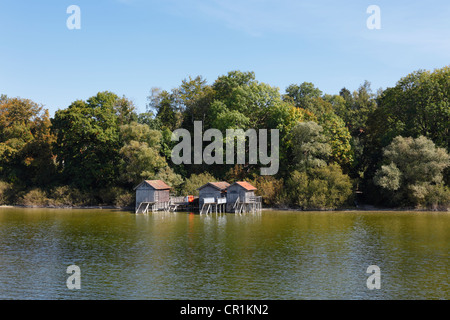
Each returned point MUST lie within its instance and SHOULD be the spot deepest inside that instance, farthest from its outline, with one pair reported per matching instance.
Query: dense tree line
(386, 148)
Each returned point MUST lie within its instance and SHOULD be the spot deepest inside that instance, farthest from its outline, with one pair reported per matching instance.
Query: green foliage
(61, 196)
(25, 142)
(116, 196)
(170, 177)
(310, 146)
(34, 197)
(418, 105)
(339, 139)
(166, 108)
(320, 188)
(354, 109)
(436, 197)
(88, 143)
(227, 119)
(271, 189)
(142, 156)
(389, 177)
(194, 182)
(307, 97)
(247, 100)
(284, 117)
(125, 198)
(140, 162)
(66, 196)
(5, 190)
(415, 169)
(140, 132)
(95, 151)
(149, 119)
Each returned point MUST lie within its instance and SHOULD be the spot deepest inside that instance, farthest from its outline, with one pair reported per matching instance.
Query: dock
(251, 204)
(214, 197)
(210, 205)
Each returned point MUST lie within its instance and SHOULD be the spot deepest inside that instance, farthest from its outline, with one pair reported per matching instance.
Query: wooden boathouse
(152, 195)
(241, 198)
(218, 197)
(212, 197)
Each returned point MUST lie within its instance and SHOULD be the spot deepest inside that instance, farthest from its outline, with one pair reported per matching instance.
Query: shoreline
(70, 207)
(364, 208)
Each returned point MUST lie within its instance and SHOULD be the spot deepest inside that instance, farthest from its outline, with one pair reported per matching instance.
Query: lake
(280, 255)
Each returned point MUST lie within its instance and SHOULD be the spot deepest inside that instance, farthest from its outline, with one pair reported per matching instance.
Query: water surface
(273, 255)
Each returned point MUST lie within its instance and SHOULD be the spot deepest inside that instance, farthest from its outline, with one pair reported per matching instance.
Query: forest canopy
(339, 150)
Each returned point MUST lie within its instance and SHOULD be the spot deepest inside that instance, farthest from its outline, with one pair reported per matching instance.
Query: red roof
(247, 186)
(218, 185)
(155, 184)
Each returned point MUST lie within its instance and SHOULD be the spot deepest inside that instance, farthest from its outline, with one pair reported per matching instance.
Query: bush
(414, 172)
(35, 197)
(82, 198)
(320, 188)
(194, 182)
(5, 190)
(116, 196)
(431, 196)
(125, 199)
(66, 196)
(270, 188)
(60, 196)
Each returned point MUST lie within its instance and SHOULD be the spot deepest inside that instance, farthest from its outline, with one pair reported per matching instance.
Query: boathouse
(241, 198)
(152, 195)
(212, 196)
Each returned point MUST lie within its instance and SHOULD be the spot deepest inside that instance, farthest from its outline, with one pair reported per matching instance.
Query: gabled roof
(247, 186)
(222, 185)
(155, 184)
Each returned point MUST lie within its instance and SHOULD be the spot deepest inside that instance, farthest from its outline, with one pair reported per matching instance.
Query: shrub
(194, 182)
(414, 171)
(125, 199)
(116, 196)
(270, 188)
(35, 197)
(320, 188)
(431, 196)
(61, 196)
(5, 189)
(82, 198)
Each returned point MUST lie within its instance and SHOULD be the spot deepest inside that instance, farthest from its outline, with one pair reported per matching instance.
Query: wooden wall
(208, 192)
(147, 194)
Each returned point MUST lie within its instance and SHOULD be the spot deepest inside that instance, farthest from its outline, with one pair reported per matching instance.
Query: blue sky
(130, 46)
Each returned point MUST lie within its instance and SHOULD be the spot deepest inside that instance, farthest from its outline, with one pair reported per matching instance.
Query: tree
(303, 96)
(168, 175)
(319, 188)
(25, 142)
(355, 108)
(148, 118)
(339, 139)
(143, 157)
(87, 144)
(166, 107)
(197, 104)
(412, 167)
(234, 101)
(310, 146)
(419, 105)
(195, 181)
(271, 189)
(242, 94)
(140, 153)
(284, 117)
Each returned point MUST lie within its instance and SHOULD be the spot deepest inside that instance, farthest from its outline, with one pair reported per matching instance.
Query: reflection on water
(272, 255)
